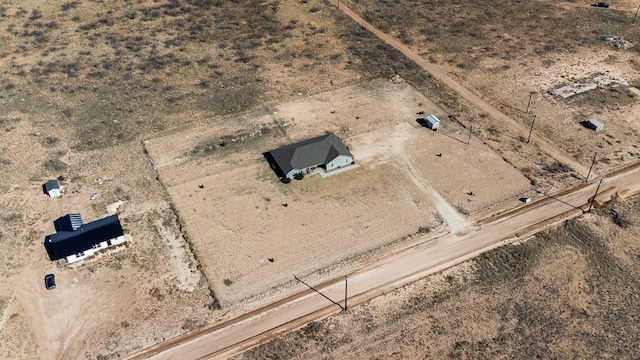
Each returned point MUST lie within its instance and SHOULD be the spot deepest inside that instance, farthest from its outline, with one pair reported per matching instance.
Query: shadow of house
(422, 122)
(273, 164)
(325, 152)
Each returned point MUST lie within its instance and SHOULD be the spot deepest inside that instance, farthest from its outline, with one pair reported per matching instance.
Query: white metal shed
(432, 122)
(595, 124)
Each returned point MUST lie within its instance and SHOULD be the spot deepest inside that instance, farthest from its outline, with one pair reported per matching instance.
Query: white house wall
(117, 241)
(293, 173)
(103, 245)
(304, 171)
(54, 193)
(340, 161)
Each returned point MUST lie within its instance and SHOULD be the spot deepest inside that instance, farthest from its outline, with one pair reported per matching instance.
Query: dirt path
(487, 108)
(455, 221)
(239, 334)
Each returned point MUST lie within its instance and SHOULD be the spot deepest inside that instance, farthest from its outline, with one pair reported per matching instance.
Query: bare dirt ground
(504, 61)
(428, 257)
(231, 202)
(84, 83)
(114, 303)
(567, 293)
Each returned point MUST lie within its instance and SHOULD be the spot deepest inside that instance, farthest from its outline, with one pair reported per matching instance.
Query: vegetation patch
(54, 166)
(227, 142)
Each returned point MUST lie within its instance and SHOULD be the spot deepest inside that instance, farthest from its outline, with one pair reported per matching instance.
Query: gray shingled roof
(311, 152)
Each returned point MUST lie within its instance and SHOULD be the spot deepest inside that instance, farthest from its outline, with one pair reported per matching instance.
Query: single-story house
(51, 188)
(326, 152)
(75, 241)
(432, 122)
(594, 124)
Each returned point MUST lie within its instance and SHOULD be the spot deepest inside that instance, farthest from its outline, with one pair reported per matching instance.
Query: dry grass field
(109, 305)
(166, 95)
(567, 293)
(505, 52)
(83, 82)
(248, 242)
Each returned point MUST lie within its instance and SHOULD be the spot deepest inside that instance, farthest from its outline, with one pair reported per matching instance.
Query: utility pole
(529, 102)
(591, 167)
(470, 131)
(594, 196)
(636, 15)
(345, 293)
(533, 121)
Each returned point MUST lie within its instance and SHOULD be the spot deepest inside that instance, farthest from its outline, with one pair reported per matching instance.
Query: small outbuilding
(432, 122)
(51, 188)
(75, 241)
(594, 124)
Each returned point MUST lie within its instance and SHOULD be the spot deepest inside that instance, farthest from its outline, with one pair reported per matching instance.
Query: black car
(601, 4)
(50, 281)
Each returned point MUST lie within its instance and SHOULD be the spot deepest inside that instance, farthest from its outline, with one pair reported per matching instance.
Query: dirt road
(487, 108)
(238, 334)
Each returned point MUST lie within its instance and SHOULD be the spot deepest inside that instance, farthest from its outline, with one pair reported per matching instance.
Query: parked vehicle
(50, 281)
(601, 4)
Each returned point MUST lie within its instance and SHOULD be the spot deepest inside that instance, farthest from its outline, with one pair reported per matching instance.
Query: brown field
(166, 95)
(534, 47)
(108, 301)
(237, 220)
(567, 293)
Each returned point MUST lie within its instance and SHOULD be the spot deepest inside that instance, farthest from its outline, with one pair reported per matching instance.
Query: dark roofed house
(75, 241)
(51, 188)
(323, 152)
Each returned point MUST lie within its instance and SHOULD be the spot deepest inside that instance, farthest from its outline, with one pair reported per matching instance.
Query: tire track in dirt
(465, 93)
(455, 221)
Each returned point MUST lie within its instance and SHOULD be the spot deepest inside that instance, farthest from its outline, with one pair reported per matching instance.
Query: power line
(594, 196)
(591, 167)
(533, 121)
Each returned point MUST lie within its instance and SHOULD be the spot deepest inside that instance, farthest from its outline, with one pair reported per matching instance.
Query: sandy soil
(232, 203)
(559, 119)
(495, 65)
(429, 257)
(109, 305)
(85, 82)
(574, 297)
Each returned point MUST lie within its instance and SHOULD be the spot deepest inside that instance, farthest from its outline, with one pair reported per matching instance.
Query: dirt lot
(567, 293)
(116, 302)
(82, 83)
(232, 203)
(85, 82)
